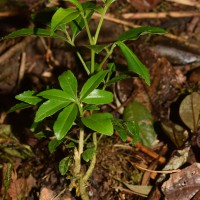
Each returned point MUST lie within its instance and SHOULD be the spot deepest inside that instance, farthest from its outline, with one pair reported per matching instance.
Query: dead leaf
(190, 109)
(20, 188)
(183, 185)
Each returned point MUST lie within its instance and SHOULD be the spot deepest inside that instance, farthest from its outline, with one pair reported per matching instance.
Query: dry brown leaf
(183, 185)
(20, 188)
(46, 194)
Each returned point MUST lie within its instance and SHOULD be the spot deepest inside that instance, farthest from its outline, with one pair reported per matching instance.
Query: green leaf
(98, 97)
(126, 128)
(91, 107)
(135, 33)
(133, 130)
(49, 108)
(78, 24)
(134, 64)
(33, 31)
(65, 120)
(53, 144)
(92, 83)
(109, 2)
(100, 122)
(98, 48)
(138, 113)
(28, 97)
(64, 165)
(19, 106)
(62, 17)
(88, 154)
(68, 83)
(77, 4)
(55, 94)
(120, 128)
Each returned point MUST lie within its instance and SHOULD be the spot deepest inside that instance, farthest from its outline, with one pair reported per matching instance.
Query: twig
(113, 19)
(159, 15)
(187, 2)
(18, 47)
(149, 152)
(9, 13)
(155, 171)
(132, 25)
(21, 69)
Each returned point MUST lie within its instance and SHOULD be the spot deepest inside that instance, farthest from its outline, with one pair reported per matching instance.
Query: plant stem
(107, 55)
(83, 63)
(100, 24)
(93, 161)
(81, 141)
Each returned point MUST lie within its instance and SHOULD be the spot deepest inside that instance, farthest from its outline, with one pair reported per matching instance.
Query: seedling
(80, 108)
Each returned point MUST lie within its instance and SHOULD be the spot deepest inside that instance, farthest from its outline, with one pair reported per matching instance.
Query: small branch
(159, 15)
(93, 161)
(155, 171)
(9, 13)
(132, 25)
(186, 2)
(21, 69)
(16, 48)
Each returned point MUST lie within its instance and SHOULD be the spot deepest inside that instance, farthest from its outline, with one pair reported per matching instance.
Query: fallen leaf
(190, 109)
(183, 185)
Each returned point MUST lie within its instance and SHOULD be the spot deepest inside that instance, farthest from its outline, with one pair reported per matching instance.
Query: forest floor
(167, 169)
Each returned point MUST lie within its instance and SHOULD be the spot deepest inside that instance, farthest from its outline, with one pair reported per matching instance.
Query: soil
(123, 170)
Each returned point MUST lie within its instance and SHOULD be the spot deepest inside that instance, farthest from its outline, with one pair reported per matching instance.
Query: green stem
(83, 62)
(107, 56)
(100, 24)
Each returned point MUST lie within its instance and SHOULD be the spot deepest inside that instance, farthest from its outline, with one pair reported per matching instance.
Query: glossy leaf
(53, 144)
(98, 97)
(91, 107)
(63, 16)
(134, 64)
(28, 97)
(64, 165)
(19, 106)
(35, 32)
(138, 113)
(100, 122)
(88, 154)
(78, 24)
(92, 83)
(189, 110)
(135, 33)
(68, 83)
(49, 108)
(77, 4)
(65, 120)
(56, 95)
